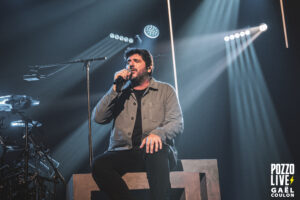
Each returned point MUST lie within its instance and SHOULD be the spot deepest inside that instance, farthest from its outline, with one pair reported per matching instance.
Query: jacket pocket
(157, 113)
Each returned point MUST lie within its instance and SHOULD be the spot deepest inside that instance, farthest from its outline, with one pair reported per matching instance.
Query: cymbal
(13, 148)
(21, 123)
(17, 102)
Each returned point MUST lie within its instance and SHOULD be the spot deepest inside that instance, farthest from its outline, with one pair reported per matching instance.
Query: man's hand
(152, 141)
(124, 73)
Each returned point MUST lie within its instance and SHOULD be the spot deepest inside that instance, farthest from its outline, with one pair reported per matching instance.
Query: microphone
(120, 82)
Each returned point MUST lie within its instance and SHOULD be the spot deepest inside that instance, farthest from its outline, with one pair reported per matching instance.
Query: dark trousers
(109, 167)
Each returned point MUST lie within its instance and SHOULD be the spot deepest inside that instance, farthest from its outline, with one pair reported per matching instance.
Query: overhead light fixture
(263, 27)
(151, 31)
(236, 35)
(121, 38)
(130, 40)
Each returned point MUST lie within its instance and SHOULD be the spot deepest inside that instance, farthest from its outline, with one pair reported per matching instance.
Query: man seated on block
(146, 118)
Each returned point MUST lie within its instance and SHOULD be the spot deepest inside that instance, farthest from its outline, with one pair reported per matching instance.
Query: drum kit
(27, 171)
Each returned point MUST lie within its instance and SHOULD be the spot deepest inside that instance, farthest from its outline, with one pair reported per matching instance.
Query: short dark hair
(145, 54)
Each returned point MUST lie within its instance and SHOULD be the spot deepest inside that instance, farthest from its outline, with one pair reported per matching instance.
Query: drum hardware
(30, 176)
(1, 121)
(21, 123)
(10, 103)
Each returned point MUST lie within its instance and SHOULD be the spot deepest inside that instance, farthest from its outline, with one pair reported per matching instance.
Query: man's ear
(149, 69)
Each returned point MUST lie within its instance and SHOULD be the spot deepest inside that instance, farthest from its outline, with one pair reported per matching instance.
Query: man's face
(138, 67)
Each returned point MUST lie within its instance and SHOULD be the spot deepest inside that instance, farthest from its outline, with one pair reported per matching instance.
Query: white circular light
(242, 34)
(247, 32)
(125, 39)
(237, 35)
(111, 35)
(231, 37)
(130, 40)
(263, 27)
(151, 31)
(226, 38)
(117, 36)
(121, 38)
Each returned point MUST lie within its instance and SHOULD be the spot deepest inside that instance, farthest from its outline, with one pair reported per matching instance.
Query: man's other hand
(152, 141)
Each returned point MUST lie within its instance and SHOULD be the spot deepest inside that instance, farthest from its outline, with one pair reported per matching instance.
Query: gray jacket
(160, 109)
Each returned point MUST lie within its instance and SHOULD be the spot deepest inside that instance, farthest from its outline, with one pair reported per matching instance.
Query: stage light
(130, 40)
(242, 34)
(226, 38)
(121, 38)
(247, 32)
(151, 31)
(231, 37)
(237, 35)
(263, 27)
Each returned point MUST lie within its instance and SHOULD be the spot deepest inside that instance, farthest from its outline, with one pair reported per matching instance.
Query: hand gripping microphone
(120, 82)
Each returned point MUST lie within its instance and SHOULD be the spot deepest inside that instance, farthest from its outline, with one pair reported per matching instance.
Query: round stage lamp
(263, 27)
(130, 40)
(151, 31)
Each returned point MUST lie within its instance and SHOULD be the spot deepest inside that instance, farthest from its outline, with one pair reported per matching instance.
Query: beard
(138, 80)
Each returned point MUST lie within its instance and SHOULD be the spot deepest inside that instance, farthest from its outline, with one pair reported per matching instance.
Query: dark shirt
(138, 129)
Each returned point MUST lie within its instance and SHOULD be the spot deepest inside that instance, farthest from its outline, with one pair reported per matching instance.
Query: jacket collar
(153, 86)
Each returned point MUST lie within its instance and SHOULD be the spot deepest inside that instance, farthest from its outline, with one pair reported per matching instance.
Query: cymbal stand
(26, 120)
(57, 175)
(45, 153)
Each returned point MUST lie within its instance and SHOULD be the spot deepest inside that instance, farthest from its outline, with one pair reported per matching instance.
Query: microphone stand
(86, 65)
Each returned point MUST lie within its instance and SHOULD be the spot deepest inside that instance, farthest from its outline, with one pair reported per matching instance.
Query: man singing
(146, 118)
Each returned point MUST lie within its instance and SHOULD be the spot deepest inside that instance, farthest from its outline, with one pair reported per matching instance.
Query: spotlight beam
(253, 118)
(72, 151)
